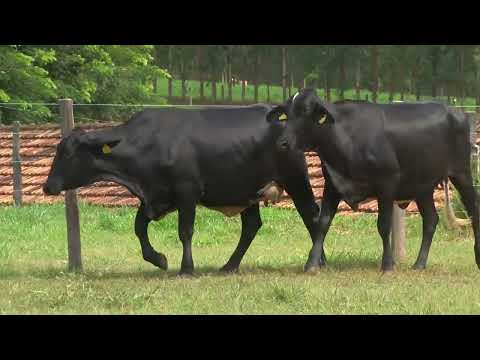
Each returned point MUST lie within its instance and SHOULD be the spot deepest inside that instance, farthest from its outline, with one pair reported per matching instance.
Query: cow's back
(421, 142)
(230, 151)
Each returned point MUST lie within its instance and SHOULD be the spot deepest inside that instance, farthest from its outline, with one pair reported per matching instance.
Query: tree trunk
(284, 73)
(327, 87)
(434, 73)
(170, 67)
(301, 84)
(184, 88)
(223, 86)
(357, 80)
(402, 81)
(229, 82)
(374, 73)
(255, 78)
(342, 78)
(413, 83)
(155, 85)
(214, 88)
(202, 93)
(243, 91)
(291, 85)
(268, 91)
(200, 70)
(462, 74)
(392, 85)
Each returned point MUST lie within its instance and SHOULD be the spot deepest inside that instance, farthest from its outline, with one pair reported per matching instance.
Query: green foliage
(24, 80)
(105, 74)
(85, 73)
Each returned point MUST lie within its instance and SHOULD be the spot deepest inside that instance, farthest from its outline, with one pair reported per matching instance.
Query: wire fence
(84, 120)
(38, 112)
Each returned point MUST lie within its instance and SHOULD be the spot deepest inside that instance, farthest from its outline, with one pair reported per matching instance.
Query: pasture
(116, 280)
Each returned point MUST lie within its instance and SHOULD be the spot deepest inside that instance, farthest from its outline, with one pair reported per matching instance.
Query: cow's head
(74, 162)
(304, 115)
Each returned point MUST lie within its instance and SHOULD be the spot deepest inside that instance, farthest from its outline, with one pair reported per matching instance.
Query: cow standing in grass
(392, 152)
(176, 159)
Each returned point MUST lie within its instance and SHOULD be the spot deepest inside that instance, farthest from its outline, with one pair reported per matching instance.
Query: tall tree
(375, 55)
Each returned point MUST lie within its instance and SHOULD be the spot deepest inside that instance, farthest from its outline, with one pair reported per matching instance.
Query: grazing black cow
(176, 159)
(394, 152)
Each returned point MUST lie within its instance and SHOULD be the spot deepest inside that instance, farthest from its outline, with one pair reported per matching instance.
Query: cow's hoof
(417, 266)
(162, 262)
(186, 273)
(387, 269)
(228, 269)
(313, 268)
(157, 259)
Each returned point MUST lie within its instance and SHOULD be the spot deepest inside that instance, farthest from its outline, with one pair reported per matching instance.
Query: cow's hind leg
(149, 254)
(429, 214)
(384, 225)
(186, 198)
(464, 184)
(251, 223)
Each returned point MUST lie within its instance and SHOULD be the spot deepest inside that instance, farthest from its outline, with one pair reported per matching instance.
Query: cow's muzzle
(50, 188)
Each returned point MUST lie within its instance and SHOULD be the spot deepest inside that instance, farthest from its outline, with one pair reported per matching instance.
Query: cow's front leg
(186, 202)
(149, 254)
(251, 223)
(300, 190)
(329, 206)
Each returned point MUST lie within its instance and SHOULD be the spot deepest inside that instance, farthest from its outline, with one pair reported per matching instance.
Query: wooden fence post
(397, 235)
(71, 205)
(16, 165)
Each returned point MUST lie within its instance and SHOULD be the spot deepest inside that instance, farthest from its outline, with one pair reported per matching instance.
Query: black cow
(394, 152)
(176, 159)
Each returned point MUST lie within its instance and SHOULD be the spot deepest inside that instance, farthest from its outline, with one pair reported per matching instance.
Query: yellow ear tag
(283, 117)
(323, 119)
(106, 149)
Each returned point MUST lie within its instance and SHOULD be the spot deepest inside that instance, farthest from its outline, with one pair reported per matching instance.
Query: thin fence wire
(24, 104)
(81, 118)
(164, 105)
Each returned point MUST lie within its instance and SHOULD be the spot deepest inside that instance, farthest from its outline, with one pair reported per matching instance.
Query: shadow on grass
(51, 273)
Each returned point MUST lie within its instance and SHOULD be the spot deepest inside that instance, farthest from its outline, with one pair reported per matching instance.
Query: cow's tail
(452, 221)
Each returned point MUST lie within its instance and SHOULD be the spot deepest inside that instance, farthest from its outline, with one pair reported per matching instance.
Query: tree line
(130, 74)
(434, 71)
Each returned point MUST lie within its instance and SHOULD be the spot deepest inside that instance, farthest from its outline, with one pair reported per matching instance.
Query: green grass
(276, 93)
(116, 280)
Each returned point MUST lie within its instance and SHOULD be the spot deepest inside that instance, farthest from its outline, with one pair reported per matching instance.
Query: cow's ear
(278, 113)
(99, 142)
(323, 113)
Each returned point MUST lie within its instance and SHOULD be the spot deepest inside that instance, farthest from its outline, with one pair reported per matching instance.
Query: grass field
(116, 280)
(276, 93)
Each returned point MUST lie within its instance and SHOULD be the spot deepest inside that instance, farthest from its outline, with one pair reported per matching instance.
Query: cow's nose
(46, 189)
(283, 145)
